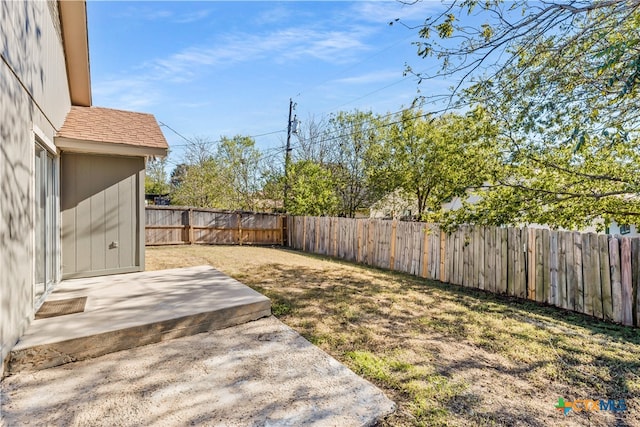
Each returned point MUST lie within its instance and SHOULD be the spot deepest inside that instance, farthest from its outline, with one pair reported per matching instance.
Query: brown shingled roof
(113, 126)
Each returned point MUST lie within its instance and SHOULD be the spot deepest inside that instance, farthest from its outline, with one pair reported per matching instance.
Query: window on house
(625, 229)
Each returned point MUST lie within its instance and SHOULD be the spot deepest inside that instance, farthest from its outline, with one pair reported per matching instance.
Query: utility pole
(287, 159)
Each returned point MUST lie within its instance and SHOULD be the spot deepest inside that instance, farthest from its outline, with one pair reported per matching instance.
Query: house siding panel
(101, 215)
(33, 93)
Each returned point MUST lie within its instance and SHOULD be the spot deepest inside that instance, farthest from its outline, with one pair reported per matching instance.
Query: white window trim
(40, 136)
(41, 139)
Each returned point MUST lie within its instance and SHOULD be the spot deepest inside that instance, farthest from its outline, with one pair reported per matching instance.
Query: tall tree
(155, 180)
(202, 185)
(312, 190)
(435, 158)
(562, 80)
(353, 133)
(314, 141)
(201, 181)
(240, 159)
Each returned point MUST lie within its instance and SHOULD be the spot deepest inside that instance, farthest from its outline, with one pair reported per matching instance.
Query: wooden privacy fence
(169, 225)
(590, 273)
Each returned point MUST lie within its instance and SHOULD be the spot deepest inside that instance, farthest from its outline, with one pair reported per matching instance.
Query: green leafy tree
(312, 190)
(435, 158)
(202, 185)
(353, 134)
(241, 163)
(561, 80)
(201, 181)
(155, 180)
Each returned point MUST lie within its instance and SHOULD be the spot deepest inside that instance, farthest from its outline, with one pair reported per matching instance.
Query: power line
(190, 141)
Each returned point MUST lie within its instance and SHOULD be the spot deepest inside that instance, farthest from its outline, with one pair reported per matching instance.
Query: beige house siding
(33, 97)
(102, 224)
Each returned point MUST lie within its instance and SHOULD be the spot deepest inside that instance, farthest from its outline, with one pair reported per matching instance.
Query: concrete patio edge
(130, 310)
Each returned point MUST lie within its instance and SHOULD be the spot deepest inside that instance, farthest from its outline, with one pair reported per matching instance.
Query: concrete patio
(129, 310)
(173, 348)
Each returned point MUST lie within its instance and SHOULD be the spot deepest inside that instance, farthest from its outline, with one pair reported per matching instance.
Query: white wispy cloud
(274, 15)
(373, 77)
(188, 18)
(152, 13)
(126, 93)
(333, 46)
(384, 12)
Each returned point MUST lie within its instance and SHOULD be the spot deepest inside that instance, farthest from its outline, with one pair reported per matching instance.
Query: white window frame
(40, 139)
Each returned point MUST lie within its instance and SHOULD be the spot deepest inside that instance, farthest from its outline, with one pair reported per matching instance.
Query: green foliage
(312, 190)
(353, 133)
(202, 185)
(155, 180)
(332, 170)
(240, 161)
(434, 158)
(229, 178)
(561, 80)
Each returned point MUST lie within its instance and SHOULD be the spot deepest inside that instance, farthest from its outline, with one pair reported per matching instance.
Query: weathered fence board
(504, 260)
(625, 281)
(169, 225)
(585, 272)
(588, 273)
(578, 285)
(635, 278)
(616, 285)
(561, 289)
(605, 277)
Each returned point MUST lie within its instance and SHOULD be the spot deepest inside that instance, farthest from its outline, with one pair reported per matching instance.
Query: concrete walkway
(129, 310)
(173, 348)
(261, 373)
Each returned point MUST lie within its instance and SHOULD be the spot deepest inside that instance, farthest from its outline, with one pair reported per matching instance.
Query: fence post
(635, 278)
(392, 255)
(190, 229)
(316, 234)
(425, 251)
(336, 225)
(625, 281)
(370, 251)
(304, 233)
(359, 236)
(443, 276)
(616, 286)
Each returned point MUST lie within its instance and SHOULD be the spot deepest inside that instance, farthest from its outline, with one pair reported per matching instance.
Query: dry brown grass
(447, 355)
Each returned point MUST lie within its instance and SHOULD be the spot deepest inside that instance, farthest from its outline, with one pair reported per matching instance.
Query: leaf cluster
(560, 80)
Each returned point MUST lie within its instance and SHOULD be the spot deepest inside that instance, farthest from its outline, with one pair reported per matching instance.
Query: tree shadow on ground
(386, 313)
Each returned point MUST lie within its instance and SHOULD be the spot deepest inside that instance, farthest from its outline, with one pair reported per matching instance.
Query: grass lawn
(447, 355)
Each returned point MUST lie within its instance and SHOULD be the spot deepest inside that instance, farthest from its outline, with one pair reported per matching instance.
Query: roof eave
(73, 19)
(71, 145)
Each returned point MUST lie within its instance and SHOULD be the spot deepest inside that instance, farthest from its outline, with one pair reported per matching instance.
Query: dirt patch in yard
(447, 355)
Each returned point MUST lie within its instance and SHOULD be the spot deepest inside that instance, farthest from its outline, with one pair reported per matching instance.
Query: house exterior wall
(626, 230)
(34, 99)
(102, 224)
(394, 205)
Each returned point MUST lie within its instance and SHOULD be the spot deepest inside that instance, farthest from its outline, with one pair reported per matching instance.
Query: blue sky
(212, 69)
